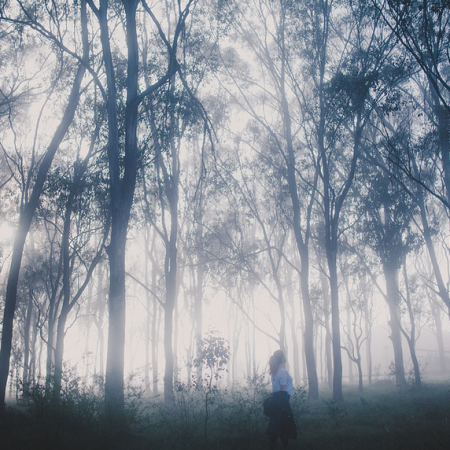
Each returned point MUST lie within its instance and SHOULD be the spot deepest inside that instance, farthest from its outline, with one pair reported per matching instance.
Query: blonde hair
(275, 361)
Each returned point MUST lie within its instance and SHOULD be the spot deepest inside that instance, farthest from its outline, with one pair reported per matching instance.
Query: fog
(268, 175)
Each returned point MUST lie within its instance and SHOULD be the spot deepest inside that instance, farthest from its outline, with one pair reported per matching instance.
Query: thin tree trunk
(328, 340)
(302, 241)
(338, 395)
(25, 219)
(368, 330)
(412, 338)
(147, 333)
(155, 334)
(122, 188)
(360, 376)
(349, 327)
(34, 349)
(26, 349)
(394, 322)
(436, 312)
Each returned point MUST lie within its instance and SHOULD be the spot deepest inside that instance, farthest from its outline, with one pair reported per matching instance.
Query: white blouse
(282, 378)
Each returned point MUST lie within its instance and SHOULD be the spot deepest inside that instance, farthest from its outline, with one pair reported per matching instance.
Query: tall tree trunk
(53, 309)
(26, 347)
(148, 299)
(394, 323)
(122, 186)
(308, 336)
(328, 340)
(155, 334)
(171, 293)
(301, 240)
(412, 338)
(338, 395)
(436, 312)
(368, 331)
(98, 321)
(349, 327)
(34, 349)
(25, 219)
(199, 280)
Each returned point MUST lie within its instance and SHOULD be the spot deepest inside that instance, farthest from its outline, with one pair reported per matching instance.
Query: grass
(383, 418)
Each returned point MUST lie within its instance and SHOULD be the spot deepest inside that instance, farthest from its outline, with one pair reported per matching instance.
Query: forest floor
(383, 418)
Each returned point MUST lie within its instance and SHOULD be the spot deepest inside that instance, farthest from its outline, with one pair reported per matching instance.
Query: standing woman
(281, 424)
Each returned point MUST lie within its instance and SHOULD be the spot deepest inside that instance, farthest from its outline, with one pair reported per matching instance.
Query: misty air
(224, 224)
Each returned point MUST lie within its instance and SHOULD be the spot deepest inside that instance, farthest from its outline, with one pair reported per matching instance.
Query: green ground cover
(382, 418)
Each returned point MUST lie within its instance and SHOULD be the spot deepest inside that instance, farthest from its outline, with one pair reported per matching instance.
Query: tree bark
(26, 349)
(392, 298)
(436, 312)
(412, 338)
(122, 188)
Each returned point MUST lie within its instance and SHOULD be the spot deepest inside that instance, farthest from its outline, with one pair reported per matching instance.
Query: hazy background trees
(275, 170)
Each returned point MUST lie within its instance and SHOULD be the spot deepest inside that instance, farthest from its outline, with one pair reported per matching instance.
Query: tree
(359, 325)
(265, 34)
(84, 228)
(214, 357)
(422, 29)
(27, 212)
(123, 164)
(339, 116)
(387, 232)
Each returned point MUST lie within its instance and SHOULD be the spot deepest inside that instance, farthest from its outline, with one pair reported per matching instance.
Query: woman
(281, 423)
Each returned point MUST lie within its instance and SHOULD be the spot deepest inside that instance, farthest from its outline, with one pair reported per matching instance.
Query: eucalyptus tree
(422, 28)
(360, 320)
(172, 117)
(121, 91)
(38, 172)
(80, 253)
(408, 137)
(122, 99)
(269, 97)
(260, 194)
(415, 146)
(349, 62)
(387, 231)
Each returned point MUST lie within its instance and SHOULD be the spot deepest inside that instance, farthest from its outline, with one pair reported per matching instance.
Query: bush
(385, 418)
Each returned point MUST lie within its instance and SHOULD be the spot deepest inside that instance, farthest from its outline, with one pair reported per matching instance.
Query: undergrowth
(383, 418)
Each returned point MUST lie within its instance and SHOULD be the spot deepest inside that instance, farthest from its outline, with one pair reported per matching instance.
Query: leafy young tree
(214, 357)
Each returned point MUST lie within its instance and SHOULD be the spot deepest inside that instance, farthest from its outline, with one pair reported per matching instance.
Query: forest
(187, 186)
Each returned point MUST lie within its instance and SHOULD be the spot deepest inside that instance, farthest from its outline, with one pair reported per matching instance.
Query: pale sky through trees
(276, 172)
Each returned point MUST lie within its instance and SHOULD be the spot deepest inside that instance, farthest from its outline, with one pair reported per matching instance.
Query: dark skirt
(281, 422)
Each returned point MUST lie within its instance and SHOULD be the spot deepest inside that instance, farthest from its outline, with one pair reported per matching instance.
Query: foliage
(77, 420)
(214, 354)
(385, 418)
